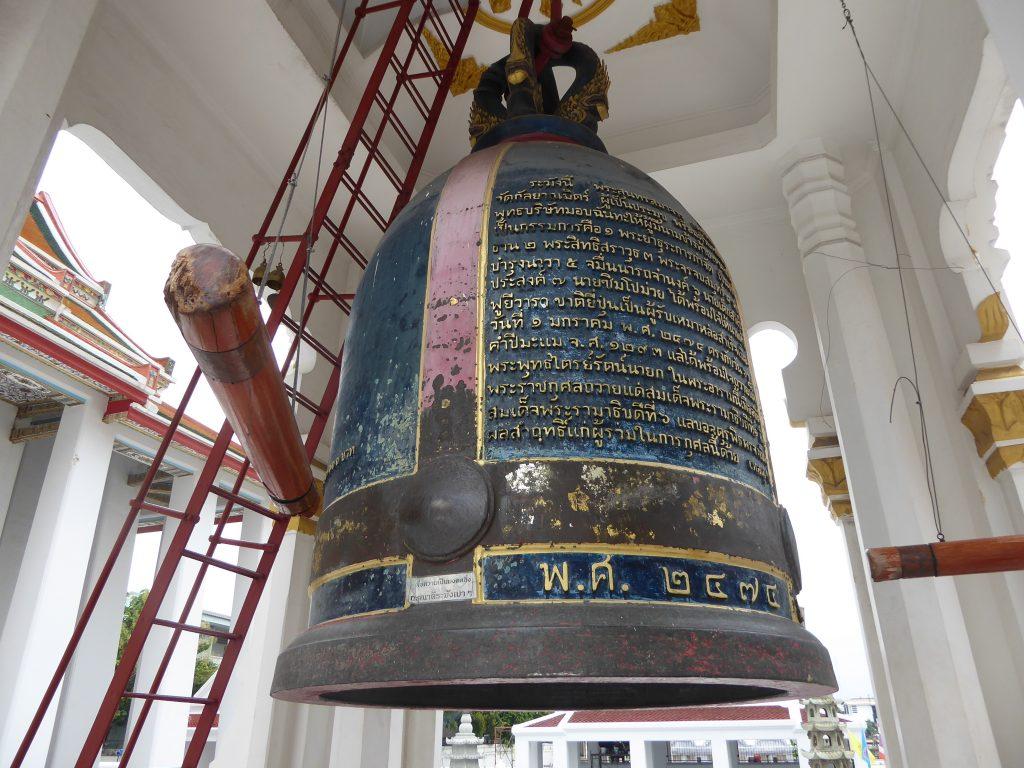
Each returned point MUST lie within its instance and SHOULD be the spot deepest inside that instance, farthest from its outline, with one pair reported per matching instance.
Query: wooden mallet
(947, 558)
(211, 298)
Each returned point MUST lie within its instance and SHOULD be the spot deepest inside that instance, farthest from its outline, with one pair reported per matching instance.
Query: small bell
(275, 282)
(257, 274)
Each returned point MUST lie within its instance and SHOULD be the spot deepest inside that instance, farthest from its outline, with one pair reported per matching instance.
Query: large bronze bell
(549, 487)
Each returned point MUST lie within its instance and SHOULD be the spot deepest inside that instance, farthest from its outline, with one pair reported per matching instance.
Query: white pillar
(28, 484)
(1011, 481)
(564, 753)
(10, 458)
(254, 728)
(396, 738)
(641, 753)
(361, 738)
(876, 661)
(93, 664)
(421, 745)
(46, 600)
(937, 699)
(162, 741)
(523, 753)
(724, 753)
(528, 754)
(310, 742)
(243, 734)
(39, 40)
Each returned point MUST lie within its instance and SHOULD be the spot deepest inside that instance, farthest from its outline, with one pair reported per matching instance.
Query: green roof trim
(44, 227)
(24, 301)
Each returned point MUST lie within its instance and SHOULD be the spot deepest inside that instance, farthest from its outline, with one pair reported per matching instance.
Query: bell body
(549, 486)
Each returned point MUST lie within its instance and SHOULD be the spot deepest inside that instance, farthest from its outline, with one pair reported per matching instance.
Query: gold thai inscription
(553, 574)
(676, 582)
(713, 586)
(611, 321)
(602, 571)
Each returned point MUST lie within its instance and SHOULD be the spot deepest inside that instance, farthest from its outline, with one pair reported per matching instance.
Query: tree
(205, 665)
(873, 737)
(485, 723)
(132, 608)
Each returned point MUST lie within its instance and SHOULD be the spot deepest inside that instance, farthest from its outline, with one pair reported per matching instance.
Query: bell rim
(445, 658)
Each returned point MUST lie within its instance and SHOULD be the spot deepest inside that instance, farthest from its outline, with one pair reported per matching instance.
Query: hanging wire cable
(915, 380)
(304, 292)
(862, 264)
(293, 182)
(931, 178)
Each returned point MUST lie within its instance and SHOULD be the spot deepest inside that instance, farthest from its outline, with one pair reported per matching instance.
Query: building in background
(720, 736)
(81, 414)
(826, 732)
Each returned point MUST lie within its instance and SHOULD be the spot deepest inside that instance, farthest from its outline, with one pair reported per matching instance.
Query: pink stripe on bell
(451, 318)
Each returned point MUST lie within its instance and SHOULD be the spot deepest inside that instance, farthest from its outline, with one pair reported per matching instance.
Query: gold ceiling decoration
(467, 72)
(677, 17)
(501, 14)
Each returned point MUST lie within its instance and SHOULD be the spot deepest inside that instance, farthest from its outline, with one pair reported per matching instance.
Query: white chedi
(465, 745)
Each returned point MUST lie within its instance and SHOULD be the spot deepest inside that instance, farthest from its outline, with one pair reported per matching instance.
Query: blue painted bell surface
(549, 485)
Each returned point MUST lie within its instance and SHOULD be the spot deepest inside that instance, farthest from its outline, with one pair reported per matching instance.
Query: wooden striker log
(947, 558)
(211, 298)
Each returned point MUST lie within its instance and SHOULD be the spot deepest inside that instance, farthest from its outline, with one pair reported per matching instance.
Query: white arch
(774, 325)
(154, 194)
(141, 182)
(972, 191)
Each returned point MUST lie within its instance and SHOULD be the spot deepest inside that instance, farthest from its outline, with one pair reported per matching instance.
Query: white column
(39, 40)
(396, 738)
(723, 753)
(243, 734)
(254, 728)
(10, 458)
(938, 703)
(46, 600)
(1005, 19)
(641, 753)
(1011, 481)
(162, 742)
(28, 484)
(93, 664)
(360, 738)
(528, 753)
(879, 680)
(421, 746)
(564, 753)
(310, 743)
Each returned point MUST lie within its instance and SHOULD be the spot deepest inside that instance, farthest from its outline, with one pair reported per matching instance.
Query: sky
(124, 240)
(1009, 175)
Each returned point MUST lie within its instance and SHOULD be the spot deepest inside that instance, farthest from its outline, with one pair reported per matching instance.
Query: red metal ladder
(403, 64)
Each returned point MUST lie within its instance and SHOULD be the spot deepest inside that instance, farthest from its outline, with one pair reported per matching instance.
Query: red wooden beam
(48, 347)
(123, 409)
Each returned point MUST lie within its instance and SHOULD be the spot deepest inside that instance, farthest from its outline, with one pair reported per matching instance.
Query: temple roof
(52, 307)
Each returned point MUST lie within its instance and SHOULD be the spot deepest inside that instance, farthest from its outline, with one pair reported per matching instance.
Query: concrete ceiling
(668, 97)
(209, 99)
